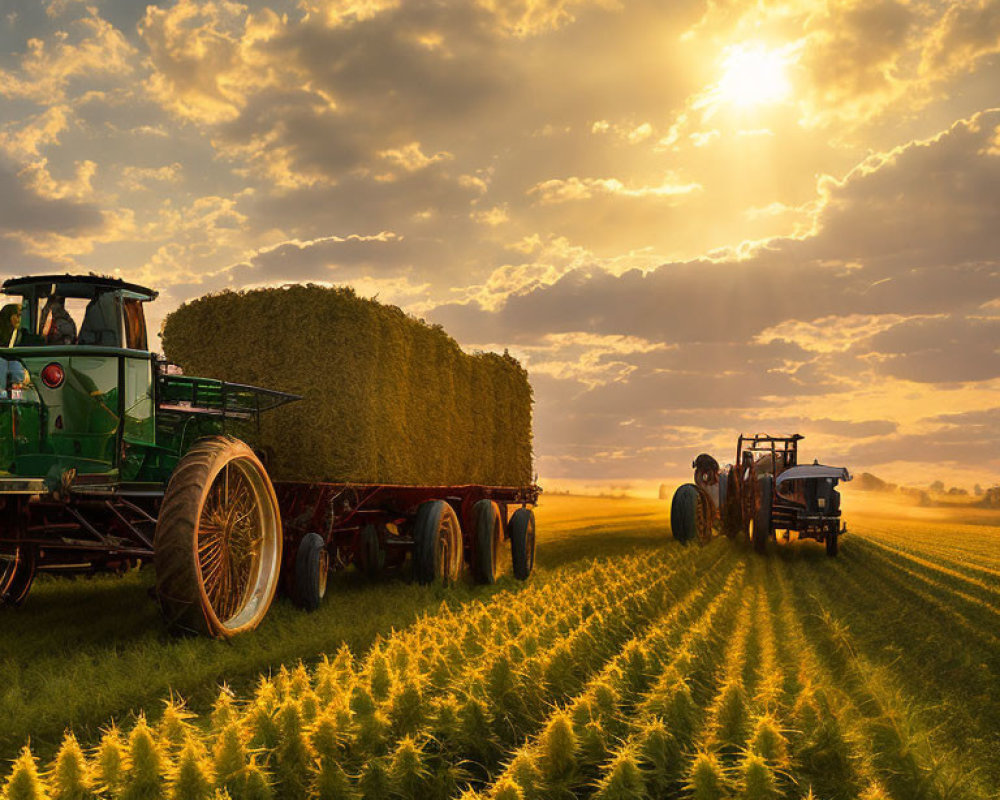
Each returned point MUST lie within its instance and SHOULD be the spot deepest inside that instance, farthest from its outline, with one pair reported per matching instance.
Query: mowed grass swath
(667, 671)
(386, 397)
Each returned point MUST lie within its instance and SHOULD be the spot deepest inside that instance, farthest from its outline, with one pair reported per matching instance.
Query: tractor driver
(12, 372)
(57, 326)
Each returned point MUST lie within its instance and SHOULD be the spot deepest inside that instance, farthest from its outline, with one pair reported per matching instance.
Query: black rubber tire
(312, 565)
(17, 583)
(723, 492)
(832, 544)
(371, 555)
(179, 588)
(761, 530)
(684, 513)
(487, 542)
(729, 504)
(521, 529)
(437, 544)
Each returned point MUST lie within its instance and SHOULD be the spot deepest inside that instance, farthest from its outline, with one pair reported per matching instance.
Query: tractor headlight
(821, 502)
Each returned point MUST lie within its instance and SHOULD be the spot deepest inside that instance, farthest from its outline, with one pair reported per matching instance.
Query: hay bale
(387, 398)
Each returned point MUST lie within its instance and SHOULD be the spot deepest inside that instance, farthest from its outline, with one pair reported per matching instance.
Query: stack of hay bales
(386, 398)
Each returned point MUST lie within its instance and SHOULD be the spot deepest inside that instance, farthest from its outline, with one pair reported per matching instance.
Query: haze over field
(686, 218)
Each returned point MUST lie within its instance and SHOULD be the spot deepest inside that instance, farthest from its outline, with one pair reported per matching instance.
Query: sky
(687, 219)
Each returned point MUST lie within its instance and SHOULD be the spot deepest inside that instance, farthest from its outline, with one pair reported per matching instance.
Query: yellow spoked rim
(238, 544)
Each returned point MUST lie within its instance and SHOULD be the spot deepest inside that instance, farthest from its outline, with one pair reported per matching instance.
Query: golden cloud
(92, 47)
(569, 189)
(205, 59)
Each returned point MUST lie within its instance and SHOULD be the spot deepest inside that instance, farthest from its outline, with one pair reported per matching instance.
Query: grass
(628, 667)
(80, 652)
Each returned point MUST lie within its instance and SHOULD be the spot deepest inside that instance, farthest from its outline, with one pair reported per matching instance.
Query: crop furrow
(827, 746)
(948, 581)
(906, 759)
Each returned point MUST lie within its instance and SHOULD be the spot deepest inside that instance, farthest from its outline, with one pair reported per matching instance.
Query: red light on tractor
(53, 375)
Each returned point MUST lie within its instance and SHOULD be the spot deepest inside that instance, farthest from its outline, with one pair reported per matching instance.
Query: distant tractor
(109, 457)
(764, 491)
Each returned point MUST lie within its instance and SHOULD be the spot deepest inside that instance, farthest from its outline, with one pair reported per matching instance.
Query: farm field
(628, 666)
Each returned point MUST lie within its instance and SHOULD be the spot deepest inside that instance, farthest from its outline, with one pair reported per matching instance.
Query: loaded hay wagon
(111, 456)
(765, 490)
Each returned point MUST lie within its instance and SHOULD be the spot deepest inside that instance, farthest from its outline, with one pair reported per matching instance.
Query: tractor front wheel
(437, 543)
(218, 541)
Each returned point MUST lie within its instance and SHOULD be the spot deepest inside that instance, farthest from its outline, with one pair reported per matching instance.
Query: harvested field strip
(977, 546)
(939, 605)
(949, 562)
(939, 569)
(894, 721)
(961, 679)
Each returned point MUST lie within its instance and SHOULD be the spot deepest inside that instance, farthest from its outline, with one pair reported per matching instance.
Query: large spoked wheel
(437, 544)
(760, 523)
(521, 529)
(17, 572)
(488, 544)
(218, 541)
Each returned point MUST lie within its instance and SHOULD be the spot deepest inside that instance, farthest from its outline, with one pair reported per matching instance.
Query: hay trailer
(765, 490)
(109, 458)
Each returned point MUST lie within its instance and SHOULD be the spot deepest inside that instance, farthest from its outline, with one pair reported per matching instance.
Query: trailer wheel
(437, 543)
(17, 573)
(371, 556)
(218, 541)
(522, 542)
(312, 567)
(760, 524)
(488, 542)
(832, 544)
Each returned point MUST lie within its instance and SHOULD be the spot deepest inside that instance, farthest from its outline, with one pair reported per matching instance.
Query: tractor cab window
(135, 325)
(101, 324)
(57, 319)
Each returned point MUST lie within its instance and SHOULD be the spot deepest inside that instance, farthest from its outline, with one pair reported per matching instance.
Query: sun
(752, 75)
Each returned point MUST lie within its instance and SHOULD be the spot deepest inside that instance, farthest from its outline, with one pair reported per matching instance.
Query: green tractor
(110, 457)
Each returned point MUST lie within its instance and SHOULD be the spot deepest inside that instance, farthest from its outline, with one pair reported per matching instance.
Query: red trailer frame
(339, 512)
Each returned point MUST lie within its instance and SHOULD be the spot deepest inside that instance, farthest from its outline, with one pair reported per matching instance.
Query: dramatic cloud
(91, 48)
(25, 211)
(685, 218)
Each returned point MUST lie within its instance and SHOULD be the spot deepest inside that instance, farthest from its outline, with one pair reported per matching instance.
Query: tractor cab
(86, 407)
(77, 378)
(765, 454)
(80, 310)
